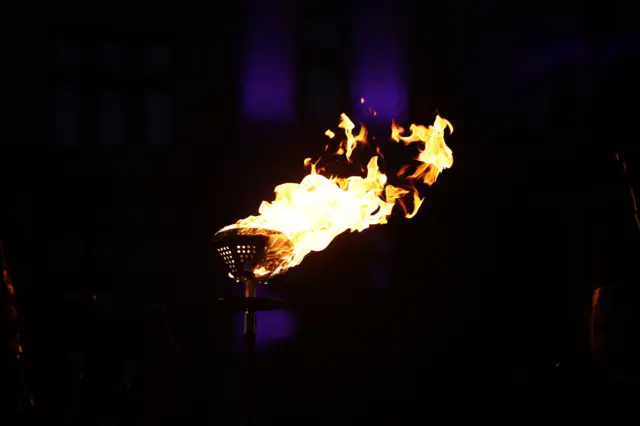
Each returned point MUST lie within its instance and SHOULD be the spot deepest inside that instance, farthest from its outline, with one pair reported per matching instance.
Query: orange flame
(434, 156)
(349, 144)
(319, 208)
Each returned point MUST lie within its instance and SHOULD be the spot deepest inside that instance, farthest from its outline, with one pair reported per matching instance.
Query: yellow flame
(349, 144)
(319, 208)
(434, 155)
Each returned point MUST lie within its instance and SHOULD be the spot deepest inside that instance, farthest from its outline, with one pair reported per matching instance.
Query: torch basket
(244, 251)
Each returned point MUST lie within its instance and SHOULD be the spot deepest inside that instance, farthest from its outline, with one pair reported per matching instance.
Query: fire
(319, 208)
(349, 144)
(434, 156)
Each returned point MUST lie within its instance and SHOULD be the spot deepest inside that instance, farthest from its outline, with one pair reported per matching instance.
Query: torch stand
(243, 253)
(250, 326)
(251, 304)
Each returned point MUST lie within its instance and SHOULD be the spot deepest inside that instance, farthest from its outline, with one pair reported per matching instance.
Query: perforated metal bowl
(244, 250)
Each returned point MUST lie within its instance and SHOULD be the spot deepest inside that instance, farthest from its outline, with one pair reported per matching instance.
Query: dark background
(132, 146)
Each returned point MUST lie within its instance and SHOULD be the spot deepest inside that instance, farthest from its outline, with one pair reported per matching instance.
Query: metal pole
(250, 325)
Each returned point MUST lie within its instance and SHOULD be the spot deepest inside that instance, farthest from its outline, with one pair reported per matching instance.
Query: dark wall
(490, 283)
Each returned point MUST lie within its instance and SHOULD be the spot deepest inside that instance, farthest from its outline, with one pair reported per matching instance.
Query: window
(268, 89)
(107, 256)
(157, 58)
(323, 32)
(66, 255)
(77, 362)
(157, 116)
(538, 108)
(268, 74)
(383, 90)
(26, 103)
(66, 55)
(155, 258)
(378, 67)
(321, 96)
(110, 115)
(65, 105)
(110, 57)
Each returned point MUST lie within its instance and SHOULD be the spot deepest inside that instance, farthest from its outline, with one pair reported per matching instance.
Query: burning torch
(307, 216)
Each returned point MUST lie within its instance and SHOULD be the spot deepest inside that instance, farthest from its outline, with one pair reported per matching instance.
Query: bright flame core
(319, 208)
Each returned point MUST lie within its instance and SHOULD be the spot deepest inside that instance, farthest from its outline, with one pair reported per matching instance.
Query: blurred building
(125, 131)
(120, 169)
(93, 201)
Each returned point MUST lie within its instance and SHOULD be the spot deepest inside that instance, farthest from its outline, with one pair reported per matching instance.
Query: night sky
(137, 137)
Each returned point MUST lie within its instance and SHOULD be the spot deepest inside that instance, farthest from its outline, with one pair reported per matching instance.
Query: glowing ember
(319, 208)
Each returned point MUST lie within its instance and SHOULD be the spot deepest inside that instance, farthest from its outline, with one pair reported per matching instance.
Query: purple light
(268, 75)
(272, 325)
(381, 100)
(377, 66)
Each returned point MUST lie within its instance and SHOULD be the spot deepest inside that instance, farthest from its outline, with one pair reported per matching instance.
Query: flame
(310, 214)
(349, 144)
(434, 156)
